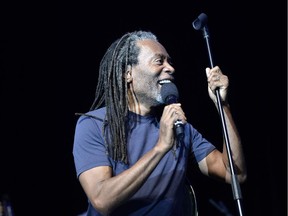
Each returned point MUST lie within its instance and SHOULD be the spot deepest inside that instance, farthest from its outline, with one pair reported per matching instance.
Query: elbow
(101, 206)
(242, 178)
(242, 175)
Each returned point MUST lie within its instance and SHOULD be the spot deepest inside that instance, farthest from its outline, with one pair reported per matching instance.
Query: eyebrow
(163, 56)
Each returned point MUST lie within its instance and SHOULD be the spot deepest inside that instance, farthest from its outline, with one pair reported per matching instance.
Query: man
(127, 157)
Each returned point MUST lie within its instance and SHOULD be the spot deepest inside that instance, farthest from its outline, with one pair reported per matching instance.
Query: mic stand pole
(235, 184)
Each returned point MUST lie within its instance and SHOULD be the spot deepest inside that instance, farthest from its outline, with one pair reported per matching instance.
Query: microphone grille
(169, 93)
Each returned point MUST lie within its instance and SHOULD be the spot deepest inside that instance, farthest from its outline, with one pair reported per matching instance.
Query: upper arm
(213, 165)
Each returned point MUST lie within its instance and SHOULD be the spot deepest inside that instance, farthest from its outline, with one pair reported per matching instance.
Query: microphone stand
(235, 183)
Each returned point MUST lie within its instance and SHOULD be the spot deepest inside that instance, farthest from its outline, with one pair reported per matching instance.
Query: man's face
(153, 68)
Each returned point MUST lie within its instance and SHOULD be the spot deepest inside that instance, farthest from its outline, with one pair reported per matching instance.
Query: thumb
(207, 71)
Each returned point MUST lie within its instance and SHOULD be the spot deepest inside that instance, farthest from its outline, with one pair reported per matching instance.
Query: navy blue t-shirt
(163, 191)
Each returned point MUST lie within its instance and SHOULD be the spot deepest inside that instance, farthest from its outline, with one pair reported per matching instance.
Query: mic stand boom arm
(200, 23)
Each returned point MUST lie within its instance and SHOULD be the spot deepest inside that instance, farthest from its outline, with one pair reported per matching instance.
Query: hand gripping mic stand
(201, 23)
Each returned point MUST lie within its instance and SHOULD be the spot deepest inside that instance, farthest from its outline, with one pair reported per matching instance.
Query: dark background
(49, 57)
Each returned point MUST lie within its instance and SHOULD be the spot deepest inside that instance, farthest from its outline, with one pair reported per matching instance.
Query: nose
(169, 68)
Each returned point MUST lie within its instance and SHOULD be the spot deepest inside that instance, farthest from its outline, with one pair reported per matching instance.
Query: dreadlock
(112, 90)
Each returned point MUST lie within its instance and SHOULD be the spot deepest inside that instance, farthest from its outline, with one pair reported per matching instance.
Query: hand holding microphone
(170, 95)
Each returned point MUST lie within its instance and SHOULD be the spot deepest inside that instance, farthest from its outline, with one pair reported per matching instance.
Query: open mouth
(161, 82)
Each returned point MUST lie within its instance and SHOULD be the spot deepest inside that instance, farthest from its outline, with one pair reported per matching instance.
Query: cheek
(145, 80)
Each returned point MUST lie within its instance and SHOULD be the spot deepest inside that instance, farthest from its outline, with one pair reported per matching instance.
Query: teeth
(164, 81)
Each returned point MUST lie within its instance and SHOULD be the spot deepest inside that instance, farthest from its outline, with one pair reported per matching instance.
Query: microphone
(170, 95)
(200, 21)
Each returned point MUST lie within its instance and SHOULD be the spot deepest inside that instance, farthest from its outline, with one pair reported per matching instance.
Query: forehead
(151, 48)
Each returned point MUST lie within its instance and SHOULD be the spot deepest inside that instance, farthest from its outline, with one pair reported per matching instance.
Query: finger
(217, 77)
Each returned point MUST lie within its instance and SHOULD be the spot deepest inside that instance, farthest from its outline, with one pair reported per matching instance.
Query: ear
(128, 74)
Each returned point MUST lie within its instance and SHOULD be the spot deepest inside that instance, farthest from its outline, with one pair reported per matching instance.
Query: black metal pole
(201, 23)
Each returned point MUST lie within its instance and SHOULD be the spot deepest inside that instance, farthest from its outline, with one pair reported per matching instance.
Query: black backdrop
(49, 60)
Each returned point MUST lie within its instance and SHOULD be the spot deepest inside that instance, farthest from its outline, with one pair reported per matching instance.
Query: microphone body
(200, 22)
(169, 94)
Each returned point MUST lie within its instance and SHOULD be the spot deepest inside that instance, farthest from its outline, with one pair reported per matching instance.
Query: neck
(141, 109)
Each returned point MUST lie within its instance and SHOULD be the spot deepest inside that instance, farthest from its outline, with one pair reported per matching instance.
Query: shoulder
(98, 114)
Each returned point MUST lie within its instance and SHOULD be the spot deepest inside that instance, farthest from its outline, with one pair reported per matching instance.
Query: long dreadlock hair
(112, 90)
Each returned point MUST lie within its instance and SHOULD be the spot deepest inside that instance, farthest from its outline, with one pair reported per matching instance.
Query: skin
(105, 191)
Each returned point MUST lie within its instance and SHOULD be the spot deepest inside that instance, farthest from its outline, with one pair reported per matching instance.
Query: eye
(159, 61)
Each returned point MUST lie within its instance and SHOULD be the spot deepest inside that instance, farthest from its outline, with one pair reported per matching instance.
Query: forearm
(235, 146)
(118, 189)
